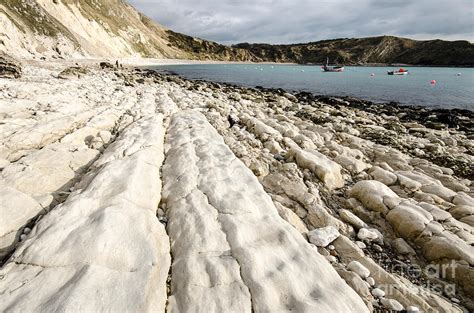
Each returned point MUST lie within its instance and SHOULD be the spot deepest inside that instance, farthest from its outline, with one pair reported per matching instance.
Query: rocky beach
(124, 189)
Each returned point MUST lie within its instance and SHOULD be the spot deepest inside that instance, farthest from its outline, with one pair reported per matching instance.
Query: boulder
(371, 194)
(440, 191)
(383, 176)
(462, 198)
(9, 67)
(461, 211)
(408, 221)
(329, 172)
(448, 246)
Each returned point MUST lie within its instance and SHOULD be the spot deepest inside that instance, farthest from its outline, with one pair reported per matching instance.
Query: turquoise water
(450, 91)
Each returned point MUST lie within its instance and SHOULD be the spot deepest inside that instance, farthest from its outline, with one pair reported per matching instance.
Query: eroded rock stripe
(103, 249)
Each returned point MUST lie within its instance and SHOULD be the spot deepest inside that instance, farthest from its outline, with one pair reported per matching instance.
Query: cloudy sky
(291, 21)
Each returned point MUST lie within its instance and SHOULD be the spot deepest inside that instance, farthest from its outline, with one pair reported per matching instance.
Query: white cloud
(289, 21)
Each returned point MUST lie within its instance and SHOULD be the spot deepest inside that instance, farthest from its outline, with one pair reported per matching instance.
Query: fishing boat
(327, 68)
(400, 71)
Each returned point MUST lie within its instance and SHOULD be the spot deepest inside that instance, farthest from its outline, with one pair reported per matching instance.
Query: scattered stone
(378, 293)
(351, 218)
(371, 281)
(412, 309)
(377, 248)
(359, 269)
(366, 234)
(323, 236)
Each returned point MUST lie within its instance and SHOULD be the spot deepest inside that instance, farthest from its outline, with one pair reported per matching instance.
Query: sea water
(436, 87)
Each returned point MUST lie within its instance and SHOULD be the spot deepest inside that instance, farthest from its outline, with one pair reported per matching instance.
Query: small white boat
(400, 71)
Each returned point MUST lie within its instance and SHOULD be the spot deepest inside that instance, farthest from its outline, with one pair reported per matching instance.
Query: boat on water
(327, 68)
(400, 71)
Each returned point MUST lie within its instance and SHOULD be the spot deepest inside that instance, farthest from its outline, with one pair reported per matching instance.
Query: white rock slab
(372, 194)
(231, 250)
(329, 172)
(103, 249)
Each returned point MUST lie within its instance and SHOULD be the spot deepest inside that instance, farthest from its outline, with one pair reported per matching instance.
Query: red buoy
(433, 82)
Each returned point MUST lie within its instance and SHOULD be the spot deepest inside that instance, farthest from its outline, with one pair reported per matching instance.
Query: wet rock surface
(271, 201)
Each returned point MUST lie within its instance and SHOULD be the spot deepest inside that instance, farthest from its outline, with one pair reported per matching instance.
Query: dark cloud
(285, 21)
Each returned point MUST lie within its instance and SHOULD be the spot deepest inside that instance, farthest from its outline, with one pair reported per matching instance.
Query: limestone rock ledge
(103, 249)
(231, 250)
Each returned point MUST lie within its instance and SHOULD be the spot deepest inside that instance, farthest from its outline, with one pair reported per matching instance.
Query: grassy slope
(384, 49)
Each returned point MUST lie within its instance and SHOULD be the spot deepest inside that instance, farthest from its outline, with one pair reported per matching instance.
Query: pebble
(323, 236)
(359, 269)
(366, 234)
(371, 281)
(377, 248)
(412, 309)
(361, 244)
(377, 292)
(27, 230)
(455, 300)
(331, 247)
(22, 237)
(331, 259)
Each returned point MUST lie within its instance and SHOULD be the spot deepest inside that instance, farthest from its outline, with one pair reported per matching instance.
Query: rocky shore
(130, 190)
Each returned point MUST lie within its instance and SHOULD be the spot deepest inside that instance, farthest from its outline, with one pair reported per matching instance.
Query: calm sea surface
(371, 83)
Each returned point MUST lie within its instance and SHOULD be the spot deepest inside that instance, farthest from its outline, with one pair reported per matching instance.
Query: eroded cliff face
(104, 28)
(68, 28)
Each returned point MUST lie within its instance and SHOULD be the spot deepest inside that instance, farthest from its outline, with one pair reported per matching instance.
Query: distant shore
(158, 62)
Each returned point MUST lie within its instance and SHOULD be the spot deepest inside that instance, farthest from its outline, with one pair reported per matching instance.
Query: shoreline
(432, 118)
(368, 103)
(130, 61)
(348, 193)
